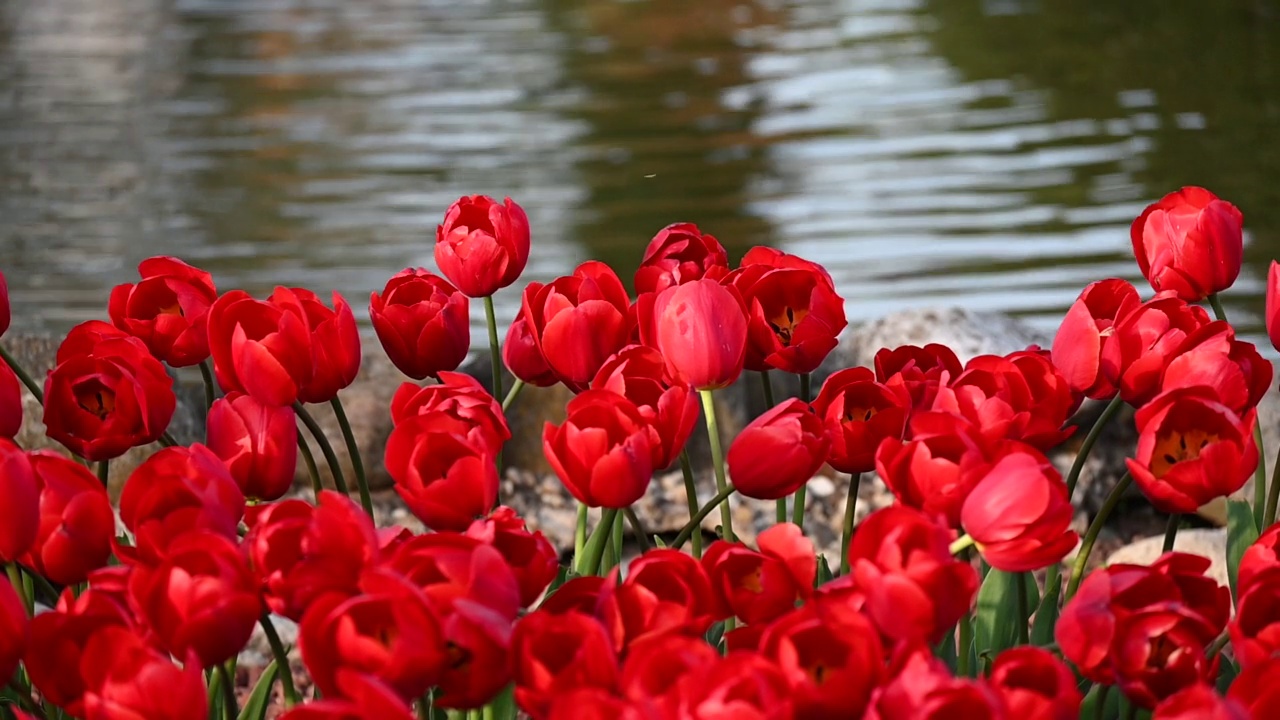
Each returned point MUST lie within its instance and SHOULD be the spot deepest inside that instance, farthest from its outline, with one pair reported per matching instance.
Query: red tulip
(794, 316)
(15, 629)
(454, 570)
(5, 313)
(1141, 345)
(1272, 304)
(1021, 397)
(665, 592)
(167, 309)
(760, 586)
(10, 403)
(602, 452)
(447, 479)
(1199, 702)
(460, 398)
(530, 555)
(924, 689)
(912, 587)
(362, 697)
(1035, 684)
(592, 704)
(126, 679)
(301, 552)
(554, 654)
(655, 669)
(109, 398)
(479, 650)
(482, 246)
(76, 522)
(1255, 629)
(700, 328)
(261, 347)
(335, 344)
(580, 593)
(523, 357)
(202, 598)
(1257, 691)
(678, 254)
(1189, 242)
(638, 373)
(776, 259)
(423, 323)
(62, 635)
(20, 514)
(936, 471)
(1158, 652)
(778, 452)
(1259, 557)
(1211, 356)
(1019, 514)
(1077, 348)
(257, 442)
(1191, 449)
(578, 321)
(920, 370)
(176, 491)
(858, 413)
(742, 685)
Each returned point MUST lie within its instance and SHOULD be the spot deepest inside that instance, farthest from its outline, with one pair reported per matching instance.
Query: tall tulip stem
(1091, 535)
(850, 511)
(717, 461)
(580, 535)
(495, 351)
(229, 707)
(692, 529)
(353, 449)
(104, 472)
(594, 551)
(210, 390)
(516, 387)
(330, 457)
(305, 450)
(282, 660)
(691, 493)
(22, 374)
(1273, 494)
(637, 527)
(798, 500)
(1260, 472)
(1024, 608)
(1171, 531)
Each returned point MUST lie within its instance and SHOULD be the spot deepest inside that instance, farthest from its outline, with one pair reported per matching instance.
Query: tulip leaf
(1241, 533)
(214, 683)
(995, 626)
(503, 705)
(256, 706)
(946, 651)
(715, 634)
(658, 543)
(824, 575)
(1227, 672)
(1047, 616)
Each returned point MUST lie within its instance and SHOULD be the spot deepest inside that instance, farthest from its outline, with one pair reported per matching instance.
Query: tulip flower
(76, 522)
(10, 403)
(168, 309)
(578, 321)
(262, 348)
(1255, 629)
(62, 635)
(778, 452)
(638, 373)
(1189, 242)
(1211, 356)
(1157, 653)
(936, 471)
(580, 594)
(1199, 702)
(362, 697)
(1020, 397)
(447, 479)
(482, 246)
(1019, 514)
(1191, 449)
(700, 327)
(1077, 347)
(603, 451)
(257, 442)
(111, 397)
(665, 592)
(20, 513)
(760, 586)
(919, 370)
(654, 670)
(1142, 344)
(678, 254)
(15, 629)
(530, 555)
(459, 398)
(794, 316)
(335, 344)
(127, 678)
(1256, 690)
(858, 413)
(924, 688)
(1259, 557)
(479, 643)
(1273, 304)
(557, 653)
(741, 685)
(523, 357)
(455, 570)
(1035, 684)
(423, 323)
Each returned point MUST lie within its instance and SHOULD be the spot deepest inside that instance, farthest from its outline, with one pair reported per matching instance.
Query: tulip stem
(962, 543)
(229, 707)
(15, 579)
(1091, 535)
(353, 449)
(1273, 495)
(1024, 607)
(798, 500)
(638, 529)
(717, 461)
(850, 511)
(310, 461)
(209, 391)
(580, 535)
(1171, 531)
(282, 660)
(767, 385)
(691, 495)
(104, 472)
(167, 440)
(511, 394)
(695, 523)
(1260, 472)
(495, 351)
(330, 457)
(594, 551)
(22, 374)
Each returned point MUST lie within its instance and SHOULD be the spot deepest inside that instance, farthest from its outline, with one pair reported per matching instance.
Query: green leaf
(1046, 616)
(995, 624)
(824, 575)
(946, 651)
(215, 694)
(255, 708)
(1227, 673)
(715, 634)
(1241, 533)
(504, 705)
(658, 543)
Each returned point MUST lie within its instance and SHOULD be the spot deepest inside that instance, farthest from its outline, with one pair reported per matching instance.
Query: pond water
(989, 153)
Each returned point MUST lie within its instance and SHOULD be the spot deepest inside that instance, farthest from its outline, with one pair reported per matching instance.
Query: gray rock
(1210, 543)
(966, 332)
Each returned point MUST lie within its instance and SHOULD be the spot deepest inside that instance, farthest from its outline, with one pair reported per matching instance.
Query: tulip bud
(602, 452)
(482, 246)
(1019, 514)
(423, 323)
(1189, 242)
(678, 254)
(257, 442)
(778, 452)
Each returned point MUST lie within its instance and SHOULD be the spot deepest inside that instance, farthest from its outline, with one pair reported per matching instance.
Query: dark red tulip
(1255, 629)
(482, 246)
(257, 442)
(530, 555)
(677, 254)
(126, 678)
(603, 451)
(924, 689)
(1272, 304)
(858, 413)
(112, 397)
(361, 697)
(920, 370)
(76, 522)
(742, 685)
(655, 669)
(760, 586)
(1257, 689)
(1077, 347)
(638, 373)
(335, 344)
(936, 471)
(167, 309)
(1189, 242)
(523, 357)
(557, 653)
(1141, 345)
(15, 629)
(665, 592)
(778, 452)
(10, 403)
(1034, 683)
(700, 327)
(20, 514)
(446, 478)
(1191, 449)
(1199, 702)
(202, 598)
(578, 321)
(1211, 356)
(794, 316)
(62, 634)
(423, 323)
(1019, 514)
(461, 399)
(261, 347)
(478, 642)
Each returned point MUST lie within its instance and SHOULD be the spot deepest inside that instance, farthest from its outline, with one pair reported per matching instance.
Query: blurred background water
(984, 153)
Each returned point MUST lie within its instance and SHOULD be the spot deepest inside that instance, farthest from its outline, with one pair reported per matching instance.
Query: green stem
(1073, 476)
(798, 500)
(580, 535)
(353, 449)
(330, 457)
(1260, 472)
(691, 494)
(717, 461)
(1216, 304)
(1171, 532)
(1024, 608)
(166, 440)
(487, 712)
(595, 546)
(104, 472)
(282, 660)
(850, 510)
(310, 460)
(962, 543)
(229, 707)
(209, 388)
(495, 350)
(966, 639)
(1091, 535)
(695, 522)
(22, 374)
(612, 549)
(638, 529)
(511, 394)
(15, 579)
(1273, 495)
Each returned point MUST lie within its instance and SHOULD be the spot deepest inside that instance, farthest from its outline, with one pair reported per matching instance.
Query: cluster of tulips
(934, 610)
